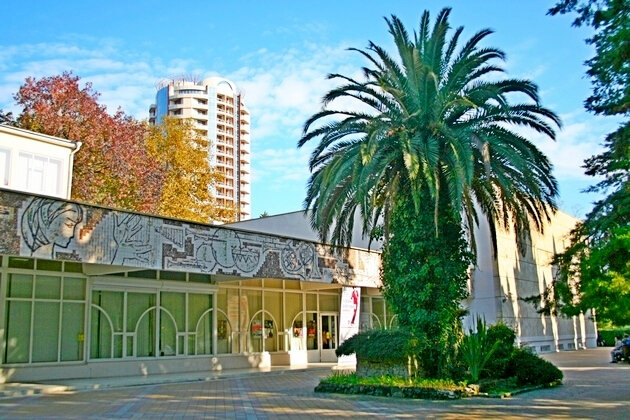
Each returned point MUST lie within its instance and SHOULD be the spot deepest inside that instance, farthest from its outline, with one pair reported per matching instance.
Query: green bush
(607, 335)
(476, 349)
(529, 369)
(393, 346)
(379, 352)
(505, 337)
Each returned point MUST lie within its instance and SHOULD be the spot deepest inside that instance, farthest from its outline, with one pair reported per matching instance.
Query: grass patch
(388, 380)
(423, 388)
(392, 386)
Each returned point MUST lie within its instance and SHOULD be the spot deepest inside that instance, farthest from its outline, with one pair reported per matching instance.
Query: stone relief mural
(50, 228)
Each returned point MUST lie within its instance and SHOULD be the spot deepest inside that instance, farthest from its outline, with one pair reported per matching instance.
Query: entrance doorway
(328, 337)
(321, 337)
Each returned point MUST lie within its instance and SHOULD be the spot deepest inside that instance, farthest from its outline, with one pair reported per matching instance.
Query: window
(126, 324)
(5, 160)
(39, 174)
(44, 317)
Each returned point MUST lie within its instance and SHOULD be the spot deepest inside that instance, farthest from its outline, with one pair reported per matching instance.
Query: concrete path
(593, 389)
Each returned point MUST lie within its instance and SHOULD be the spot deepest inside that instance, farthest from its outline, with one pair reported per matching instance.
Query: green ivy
(424, 278)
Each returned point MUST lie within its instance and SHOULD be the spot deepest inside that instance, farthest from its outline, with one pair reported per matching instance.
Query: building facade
(217, 110)
(87, 291)
(519, 267)
(35, 162)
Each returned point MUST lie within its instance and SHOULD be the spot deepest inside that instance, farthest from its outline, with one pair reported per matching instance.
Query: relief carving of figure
(47, 225)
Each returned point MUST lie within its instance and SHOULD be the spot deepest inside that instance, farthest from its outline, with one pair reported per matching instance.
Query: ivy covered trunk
(424, 278)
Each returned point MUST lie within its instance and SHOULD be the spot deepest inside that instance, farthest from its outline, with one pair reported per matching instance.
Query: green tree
(593, 272)
(433, 134)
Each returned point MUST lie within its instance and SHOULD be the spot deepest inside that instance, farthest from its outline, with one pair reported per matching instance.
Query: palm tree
(434, 122)
(433, 140)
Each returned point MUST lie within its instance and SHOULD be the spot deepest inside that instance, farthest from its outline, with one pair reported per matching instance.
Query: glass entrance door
(328, 337)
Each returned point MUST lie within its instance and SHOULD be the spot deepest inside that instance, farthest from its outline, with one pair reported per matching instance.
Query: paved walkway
(593, 389)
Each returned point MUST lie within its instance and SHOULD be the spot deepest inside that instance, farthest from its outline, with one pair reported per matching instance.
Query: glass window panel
(197, 305)
(100, 336)
(73, 288)
(222, 301)
(256, 334)
(200, 278)
(47, 287)
(273, 283)
(204, 334)
(293, 306)
(191, 344)
(16, 262)
(4, 166)
(311, 331)
(49, 265)
(273, 315)
(23, 162)
(143, 274)
(224, 334)
(292, 284)
(118, 347)
(175, 304)
(329, 303)
(20, 286)
(173, 275)
(112, 304)
(18, 331)
(311, 302)
(254, 302)
(145, 335)
(45, 331)
(72, 337)
(72, 267)
(137, 304)
(168, 335)
(230, 298)
(52, 184)
(252, 283)
(129, 345)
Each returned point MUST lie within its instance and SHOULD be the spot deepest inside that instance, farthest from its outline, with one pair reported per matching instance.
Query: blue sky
(279, 53)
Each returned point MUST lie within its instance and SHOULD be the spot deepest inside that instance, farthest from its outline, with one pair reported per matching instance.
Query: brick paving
(593, 388)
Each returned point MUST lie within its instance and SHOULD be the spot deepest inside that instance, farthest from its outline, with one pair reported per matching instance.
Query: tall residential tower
(216, 108)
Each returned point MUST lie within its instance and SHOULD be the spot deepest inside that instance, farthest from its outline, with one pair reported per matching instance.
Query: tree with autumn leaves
(123, 163)
(182, 156)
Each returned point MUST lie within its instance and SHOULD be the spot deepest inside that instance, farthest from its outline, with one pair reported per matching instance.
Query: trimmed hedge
(608, 335)
(529, 369)
(384, 352)
(393, 346)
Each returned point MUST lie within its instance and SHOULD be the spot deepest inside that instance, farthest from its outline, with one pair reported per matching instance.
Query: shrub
(384, 348)
(505, 337)
(529, 369)
(476, 349)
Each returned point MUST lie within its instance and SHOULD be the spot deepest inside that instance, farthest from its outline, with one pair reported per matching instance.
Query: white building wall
(36, 163)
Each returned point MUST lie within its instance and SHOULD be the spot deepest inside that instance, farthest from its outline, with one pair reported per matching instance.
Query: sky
(279, 54)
